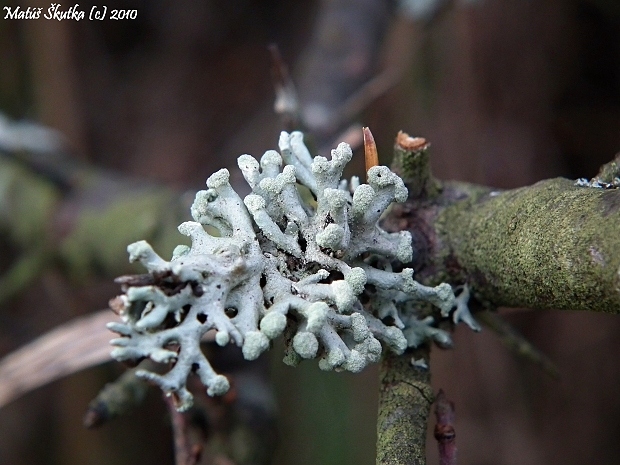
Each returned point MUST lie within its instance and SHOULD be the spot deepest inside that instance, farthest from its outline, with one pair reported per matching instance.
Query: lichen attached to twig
(302, 255)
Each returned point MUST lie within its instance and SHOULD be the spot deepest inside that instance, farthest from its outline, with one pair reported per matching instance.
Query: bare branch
(444, 429)
(184, 452)
(78, 344)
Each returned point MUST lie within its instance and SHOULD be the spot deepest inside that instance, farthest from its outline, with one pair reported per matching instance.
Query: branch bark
(548, 246)
(405, 398)
(184, 452)
(552, 245)
(444, 429)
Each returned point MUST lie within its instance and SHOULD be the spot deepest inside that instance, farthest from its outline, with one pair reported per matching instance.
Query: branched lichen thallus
(303, 255)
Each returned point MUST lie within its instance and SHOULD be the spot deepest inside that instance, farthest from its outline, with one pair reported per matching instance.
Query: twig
(412, 163)
(356, 103)
(444, 429)
(405, 398)
(116, 399)
(286, 103)
(78, 344)
(517, 343)
(184, 452)
(374, 88)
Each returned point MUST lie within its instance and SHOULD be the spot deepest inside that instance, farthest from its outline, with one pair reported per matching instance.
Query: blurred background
(507, 92)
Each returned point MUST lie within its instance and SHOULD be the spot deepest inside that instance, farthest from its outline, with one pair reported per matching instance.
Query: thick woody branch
(552, 245)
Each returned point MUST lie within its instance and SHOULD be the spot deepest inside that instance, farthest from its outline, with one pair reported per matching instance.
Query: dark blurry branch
(55, 212)
(116, 399)
(339, 59)
(365, 95)
(69, 348)
(338, 72)
(516, 342)
(286, 104)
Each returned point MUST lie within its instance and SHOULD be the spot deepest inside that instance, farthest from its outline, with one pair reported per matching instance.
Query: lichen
(608, 176)
(319, 270)
(597, 183)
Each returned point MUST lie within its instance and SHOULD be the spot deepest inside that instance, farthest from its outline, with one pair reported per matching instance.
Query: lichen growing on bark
(316, 267)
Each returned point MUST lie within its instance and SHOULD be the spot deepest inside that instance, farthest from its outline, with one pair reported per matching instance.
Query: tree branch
(405, 398)
(444, 429)
(552, 245)
(184, 452)
(548, 246)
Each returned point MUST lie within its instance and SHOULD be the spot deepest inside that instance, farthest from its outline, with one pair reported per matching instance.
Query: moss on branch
(552, 245)
(405, 398)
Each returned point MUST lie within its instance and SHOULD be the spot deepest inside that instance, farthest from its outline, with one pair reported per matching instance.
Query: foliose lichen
(312, 264)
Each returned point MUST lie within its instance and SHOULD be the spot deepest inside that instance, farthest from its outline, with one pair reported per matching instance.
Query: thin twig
(184, 452)
(286, 103)
(518, 343)
(444, 429)
(374, 88)
(78, 344)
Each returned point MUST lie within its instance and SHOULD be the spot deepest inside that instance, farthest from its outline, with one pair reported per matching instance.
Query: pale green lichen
(319, 273)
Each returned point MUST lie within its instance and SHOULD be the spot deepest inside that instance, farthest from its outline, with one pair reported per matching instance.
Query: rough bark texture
(552, 245)
(548, 246)
(405, 399)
